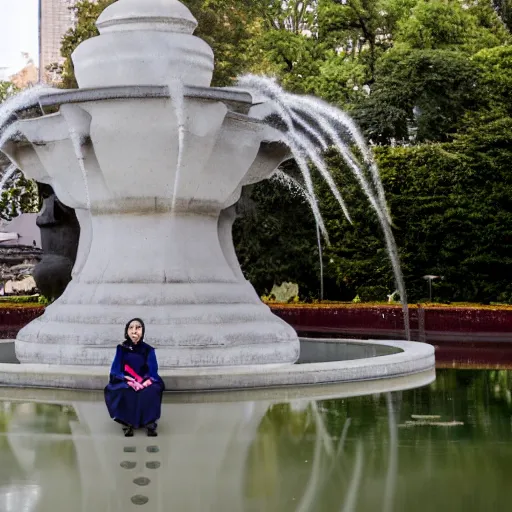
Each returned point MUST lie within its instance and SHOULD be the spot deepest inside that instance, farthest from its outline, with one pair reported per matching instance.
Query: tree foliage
(19, 195)
(429, 82)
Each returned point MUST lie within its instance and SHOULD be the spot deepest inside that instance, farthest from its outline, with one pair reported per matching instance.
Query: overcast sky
(18, 33)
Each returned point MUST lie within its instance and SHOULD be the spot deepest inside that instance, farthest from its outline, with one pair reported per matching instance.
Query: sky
(18, 33)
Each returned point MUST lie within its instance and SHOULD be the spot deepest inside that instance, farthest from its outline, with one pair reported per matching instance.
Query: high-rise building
(55, 19)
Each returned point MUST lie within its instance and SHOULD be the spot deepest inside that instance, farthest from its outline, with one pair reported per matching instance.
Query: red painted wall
(434, 324)
(14, 319)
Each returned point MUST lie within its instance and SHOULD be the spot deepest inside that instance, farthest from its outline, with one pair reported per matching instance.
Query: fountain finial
(164, 15)
(144, 42)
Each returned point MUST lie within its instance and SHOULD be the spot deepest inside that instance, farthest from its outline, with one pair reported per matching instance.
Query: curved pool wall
(324, 361)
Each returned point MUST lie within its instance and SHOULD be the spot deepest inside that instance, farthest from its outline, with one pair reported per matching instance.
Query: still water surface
(444, 447)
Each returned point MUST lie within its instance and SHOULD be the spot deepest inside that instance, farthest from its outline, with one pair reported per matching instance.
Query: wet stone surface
(153, 465)
(139, 499)
(142, 481)
(126, 464)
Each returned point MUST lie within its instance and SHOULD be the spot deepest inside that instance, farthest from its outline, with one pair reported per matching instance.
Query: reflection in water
(393, 456)
(296, 464)
(19, 498)
(442, 447)
(30, 466)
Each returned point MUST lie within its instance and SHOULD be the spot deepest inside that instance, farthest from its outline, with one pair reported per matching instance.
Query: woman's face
(135, 331)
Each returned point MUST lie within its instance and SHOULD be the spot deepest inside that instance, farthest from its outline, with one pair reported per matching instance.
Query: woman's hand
(147, 383)
(135, 385)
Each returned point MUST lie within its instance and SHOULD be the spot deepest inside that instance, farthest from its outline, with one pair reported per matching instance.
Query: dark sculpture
(60, 232)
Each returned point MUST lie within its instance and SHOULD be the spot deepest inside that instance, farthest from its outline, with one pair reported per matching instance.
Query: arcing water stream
(296, 188)
(311, 127)
(296, 112)
(8, 174)
(8, 109)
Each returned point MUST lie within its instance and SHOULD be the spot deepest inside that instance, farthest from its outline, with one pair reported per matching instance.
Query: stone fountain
(153, 159)
(149, 171)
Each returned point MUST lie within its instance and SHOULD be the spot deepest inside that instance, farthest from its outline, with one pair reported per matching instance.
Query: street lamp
(430, 278)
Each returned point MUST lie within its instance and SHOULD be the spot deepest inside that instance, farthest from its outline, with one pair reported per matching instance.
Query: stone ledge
(278, 395)
(238, 100)
(413, 358)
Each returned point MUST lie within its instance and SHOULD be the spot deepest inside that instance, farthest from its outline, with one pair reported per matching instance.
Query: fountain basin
(335, 361)
(154, 242)
(156, 160)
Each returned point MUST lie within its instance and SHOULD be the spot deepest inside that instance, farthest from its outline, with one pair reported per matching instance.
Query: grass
(352, 305)
(20, 301)
(33, 302)
(16, 305)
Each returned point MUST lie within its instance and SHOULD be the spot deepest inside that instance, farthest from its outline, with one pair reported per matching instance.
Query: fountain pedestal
(171, 271)
(150, 174)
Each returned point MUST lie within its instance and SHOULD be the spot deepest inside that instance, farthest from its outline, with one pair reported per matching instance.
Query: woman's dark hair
(126, 337)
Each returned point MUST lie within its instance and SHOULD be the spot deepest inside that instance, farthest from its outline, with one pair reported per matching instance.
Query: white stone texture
(225, 228)
(42, 157)
(144, 42)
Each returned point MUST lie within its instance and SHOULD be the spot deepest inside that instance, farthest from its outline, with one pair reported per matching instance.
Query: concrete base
(389, 359)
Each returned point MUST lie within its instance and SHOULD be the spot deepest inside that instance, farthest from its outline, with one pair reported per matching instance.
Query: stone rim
(240, 101)
(416, 358)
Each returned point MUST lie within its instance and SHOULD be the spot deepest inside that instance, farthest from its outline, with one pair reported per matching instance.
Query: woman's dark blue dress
(125, 405)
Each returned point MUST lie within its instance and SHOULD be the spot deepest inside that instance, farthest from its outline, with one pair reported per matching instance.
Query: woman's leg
(122, 405)
(150, 401)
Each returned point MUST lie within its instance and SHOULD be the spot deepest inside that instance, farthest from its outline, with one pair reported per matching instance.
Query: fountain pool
(446, 446)
(153, 159)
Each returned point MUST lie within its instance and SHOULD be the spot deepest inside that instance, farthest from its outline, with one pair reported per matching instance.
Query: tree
(7, 89)
(451, 24)
(427, 81)
(361, 28)
(19, 195)
(504, 10)
(276, 240)
(419, 95)
(495, 78)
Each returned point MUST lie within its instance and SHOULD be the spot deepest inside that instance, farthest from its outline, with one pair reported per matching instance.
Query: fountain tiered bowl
(152, 159)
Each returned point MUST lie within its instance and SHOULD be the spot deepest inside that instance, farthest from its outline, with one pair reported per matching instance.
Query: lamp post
(430, 278)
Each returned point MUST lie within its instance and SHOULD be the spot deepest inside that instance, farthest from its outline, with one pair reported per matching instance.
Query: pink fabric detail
(131, 371)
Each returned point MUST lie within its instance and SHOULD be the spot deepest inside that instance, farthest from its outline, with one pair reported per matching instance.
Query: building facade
(55, 19)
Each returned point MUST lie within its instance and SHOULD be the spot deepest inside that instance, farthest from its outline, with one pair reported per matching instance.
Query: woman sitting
(134, 393)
